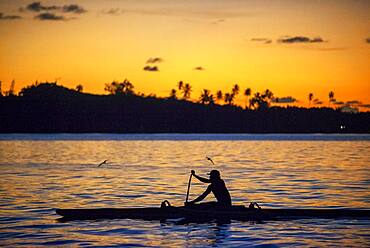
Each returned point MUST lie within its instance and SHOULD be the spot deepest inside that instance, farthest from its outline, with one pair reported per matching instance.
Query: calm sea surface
(47, 171)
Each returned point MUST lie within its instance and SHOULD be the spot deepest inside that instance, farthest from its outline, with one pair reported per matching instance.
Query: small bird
(208, 158)
(104, 162)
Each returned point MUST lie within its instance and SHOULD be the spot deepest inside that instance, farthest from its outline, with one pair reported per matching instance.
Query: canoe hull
(234, 213)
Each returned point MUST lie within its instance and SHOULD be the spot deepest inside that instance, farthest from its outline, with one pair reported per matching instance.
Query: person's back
(220, 191)
(217, 187)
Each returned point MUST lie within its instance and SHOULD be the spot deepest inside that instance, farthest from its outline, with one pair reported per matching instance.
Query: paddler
(217, 187)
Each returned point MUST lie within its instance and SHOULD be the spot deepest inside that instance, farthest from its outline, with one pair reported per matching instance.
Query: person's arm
(202, 179)
(202, 196)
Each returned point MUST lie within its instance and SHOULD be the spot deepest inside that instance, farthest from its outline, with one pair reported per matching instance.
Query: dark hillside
(49, 108)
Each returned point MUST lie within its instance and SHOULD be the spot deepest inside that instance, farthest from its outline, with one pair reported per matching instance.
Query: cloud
(217, 14)
(349, 109)
(50, 17)
(300, 39)
(367, 40)
(199, 68)
(317, 102)
(296, 39)
(113, 11)
(150, 68)
(354, 102)
(218, 21)
(262, 40)
(332, 49)
(364, 105)
(154, 60)
(9, 17)
(285, 99)
(73, 8)
(338, 103)
(39, 7)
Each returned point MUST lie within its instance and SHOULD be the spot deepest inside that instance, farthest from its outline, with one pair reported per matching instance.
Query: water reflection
(38, 176)
(207, 235)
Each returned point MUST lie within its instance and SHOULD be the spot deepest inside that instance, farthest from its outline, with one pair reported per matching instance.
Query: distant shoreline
(183, 137)
(49, 108)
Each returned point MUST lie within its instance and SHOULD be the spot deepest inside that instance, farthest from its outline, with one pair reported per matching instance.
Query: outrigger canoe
(201, 213)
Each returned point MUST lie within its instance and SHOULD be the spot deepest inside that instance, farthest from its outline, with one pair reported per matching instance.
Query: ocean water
(41, 172)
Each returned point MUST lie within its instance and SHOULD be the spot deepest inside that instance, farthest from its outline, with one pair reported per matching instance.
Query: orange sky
(312, 46)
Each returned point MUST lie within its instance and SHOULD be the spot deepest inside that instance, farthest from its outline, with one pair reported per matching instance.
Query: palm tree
(261, 101)
(206, 97)
(235, 89)
(211, 99)
(219, 95)
(180, 85)
(11, 89)
(247, 93)
(117, 88)
(310, 98)
(79, 88)
(186, 91)
(254, 100)
(229, 98)
(331, 97)
(128, 87)
(10, 92)
(173, 94)
(268, 94)
(111, 88)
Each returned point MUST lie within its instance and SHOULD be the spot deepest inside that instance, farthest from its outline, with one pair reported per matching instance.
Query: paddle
(187, 194)
(191, 175)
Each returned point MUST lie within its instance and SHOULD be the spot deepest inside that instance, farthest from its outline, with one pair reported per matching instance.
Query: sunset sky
(290, 47)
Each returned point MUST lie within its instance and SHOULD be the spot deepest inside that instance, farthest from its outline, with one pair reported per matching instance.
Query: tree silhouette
(331, 97)
(310, 98)
(206, 97)
(79, 88)
(117, 88)
(247, 93)
(47, 90)
(219, 95)
(211, 99)
(186, 91)
(173, 94)
(180, 85)
(229, 98)
(261, 101)
(10, 92)
(268, 94)
(253, 101)
(235, 89)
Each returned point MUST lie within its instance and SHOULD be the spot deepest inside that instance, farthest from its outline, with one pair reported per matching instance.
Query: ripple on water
(113, 232)
(60, 242)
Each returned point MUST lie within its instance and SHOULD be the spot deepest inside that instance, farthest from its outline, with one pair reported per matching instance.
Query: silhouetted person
(217, 187)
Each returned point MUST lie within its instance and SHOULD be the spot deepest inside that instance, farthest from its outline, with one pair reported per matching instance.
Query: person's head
(214, 175)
